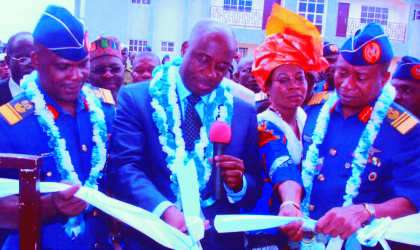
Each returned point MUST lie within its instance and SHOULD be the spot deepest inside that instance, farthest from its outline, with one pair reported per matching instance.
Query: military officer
(331, 53)
(406, 81)
(388, 162)
(69, 128)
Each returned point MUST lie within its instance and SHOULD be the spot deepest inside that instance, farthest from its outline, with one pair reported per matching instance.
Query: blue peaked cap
(368, 46)
(408, 69)
(60, 32)
(330, 49)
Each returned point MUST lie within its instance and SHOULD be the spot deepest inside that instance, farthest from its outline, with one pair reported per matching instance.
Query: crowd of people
(317, 131)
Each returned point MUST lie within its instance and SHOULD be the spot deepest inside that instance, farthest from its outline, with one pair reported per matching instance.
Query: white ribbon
(190, 199)
(404, 230)
(138, 218)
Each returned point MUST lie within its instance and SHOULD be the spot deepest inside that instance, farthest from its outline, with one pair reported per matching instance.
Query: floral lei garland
(366, 141)
(167, 116)
(75, 225)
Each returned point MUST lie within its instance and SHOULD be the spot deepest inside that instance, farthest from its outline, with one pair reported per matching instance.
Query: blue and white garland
(167, 116)
(75, 225)
(366, 141)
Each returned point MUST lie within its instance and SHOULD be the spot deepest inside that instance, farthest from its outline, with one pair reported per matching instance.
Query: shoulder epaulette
(401, 119)
(17, 109)
(104, 95)
(320, 98)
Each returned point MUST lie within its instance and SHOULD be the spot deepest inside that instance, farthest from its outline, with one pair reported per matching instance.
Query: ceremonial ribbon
(136, 217)
(190, 199)
(404, 230)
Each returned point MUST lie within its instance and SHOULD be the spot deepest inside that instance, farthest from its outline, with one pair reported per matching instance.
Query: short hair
(9, 46)
(147, 54)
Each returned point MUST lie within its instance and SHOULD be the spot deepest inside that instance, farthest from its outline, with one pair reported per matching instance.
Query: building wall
(138, 22)
(110, 18)
(168, 26)
(251, 48)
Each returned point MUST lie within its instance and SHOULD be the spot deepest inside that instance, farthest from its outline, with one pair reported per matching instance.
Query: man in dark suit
(18, 59)
(140, 169)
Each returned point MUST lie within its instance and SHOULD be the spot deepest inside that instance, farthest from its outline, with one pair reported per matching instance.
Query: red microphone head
(220, 132)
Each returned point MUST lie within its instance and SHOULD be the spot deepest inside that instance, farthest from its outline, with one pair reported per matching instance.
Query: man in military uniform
(55, 91)
(106, 65)
(331, 53)
(406, 81)
(390, 178)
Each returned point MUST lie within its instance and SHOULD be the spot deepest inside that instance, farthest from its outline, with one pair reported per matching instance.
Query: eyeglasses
(102, 70)
(22, 60)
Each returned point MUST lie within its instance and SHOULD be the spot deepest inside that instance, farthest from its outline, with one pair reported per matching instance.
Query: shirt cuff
(235, 197)
(161, 208)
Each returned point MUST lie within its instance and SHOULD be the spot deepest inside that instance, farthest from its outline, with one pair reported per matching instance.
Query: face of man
(329, 73)
(22, 49)
(107, 72)
(358, 86)
(408, 95)
(62, 79)
(246, 78)
(4, 70)
(143, 68)
(207, 61)
(124, 54)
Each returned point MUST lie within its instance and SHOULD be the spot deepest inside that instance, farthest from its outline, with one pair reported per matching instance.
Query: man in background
(406, 81)
(143, 66)
(4, 69)
(106, 65)
(18, 60)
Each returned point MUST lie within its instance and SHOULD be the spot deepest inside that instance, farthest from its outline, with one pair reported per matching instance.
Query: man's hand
(342, 221)
(176, 218)
(232, 170)
(293, 230)
(66, 203)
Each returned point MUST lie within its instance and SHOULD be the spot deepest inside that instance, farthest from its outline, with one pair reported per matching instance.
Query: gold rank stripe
(107, 96)
(407, 125)
(316, 99)
(400, 120)
(10, 114)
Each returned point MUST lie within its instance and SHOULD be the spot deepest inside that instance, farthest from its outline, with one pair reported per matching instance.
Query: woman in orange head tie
(292, 48)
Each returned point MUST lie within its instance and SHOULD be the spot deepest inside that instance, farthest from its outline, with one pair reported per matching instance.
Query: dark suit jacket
(138, 171)
(5, 94)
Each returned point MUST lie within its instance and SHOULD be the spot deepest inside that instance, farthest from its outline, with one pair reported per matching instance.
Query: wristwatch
(372, 213)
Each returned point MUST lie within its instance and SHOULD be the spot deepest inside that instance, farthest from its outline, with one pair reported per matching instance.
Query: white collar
(15, 88)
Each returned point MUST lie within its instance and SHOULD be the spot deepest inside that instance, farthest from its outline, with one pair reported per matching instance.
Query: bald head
(208, 26)
(208, 56)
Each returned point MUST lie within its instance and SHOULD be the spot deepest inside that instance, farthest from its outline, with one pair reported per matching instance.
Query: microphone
(220, 135)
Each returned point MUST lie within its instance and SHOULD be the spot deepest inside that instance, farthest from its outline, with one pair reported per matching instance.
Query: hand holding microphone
(226, 168)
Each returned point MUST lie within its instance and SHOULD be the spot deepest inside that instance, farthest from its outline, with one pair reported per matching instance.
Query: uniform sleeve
(405, 181)
(275, 156)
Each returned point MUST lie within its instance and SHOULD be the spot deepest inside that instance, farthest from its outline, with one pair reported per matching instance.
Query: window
(243, 51)
(372, 14)
(416, 14)
(238, 5)
(137, 45)
(140, 1)
(313, 10)
(168, 46)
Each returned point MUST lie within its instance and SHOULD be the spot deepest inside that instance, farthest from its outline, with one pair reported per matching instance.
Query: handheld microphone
(220, 135)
